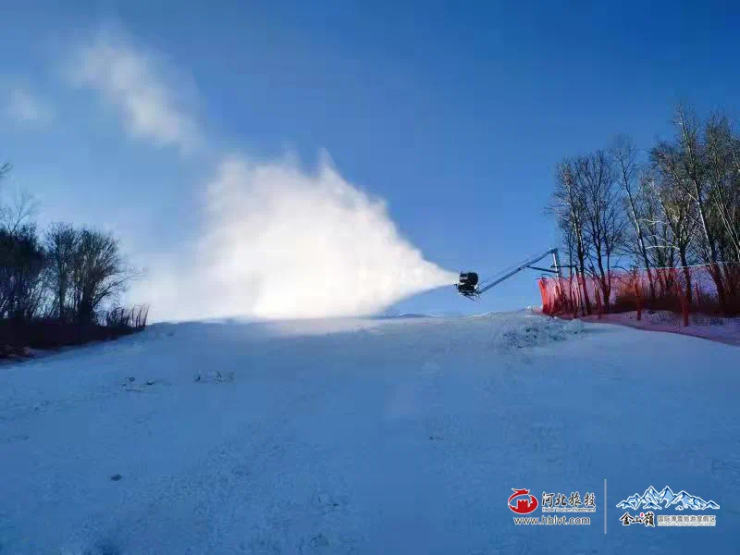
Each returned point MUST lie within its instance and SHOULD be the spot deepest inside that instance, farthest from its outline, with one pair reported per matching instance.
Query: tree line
(674, 206)
(71, 276)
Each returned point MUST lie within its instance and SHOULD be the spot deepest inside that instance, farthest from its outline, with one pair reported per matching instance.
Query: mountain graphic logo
(656, 500)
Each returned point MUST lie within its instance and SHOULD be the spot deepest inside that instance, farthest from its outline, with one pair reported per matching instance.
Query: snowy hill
(403, 435)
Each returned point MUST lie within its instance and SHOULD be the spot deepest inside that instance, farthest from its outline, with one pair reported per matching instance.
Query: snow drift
(282, 243)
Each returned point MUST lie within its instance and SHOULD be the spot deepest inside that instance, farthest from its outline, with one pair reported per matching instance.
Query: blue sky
(454, 113)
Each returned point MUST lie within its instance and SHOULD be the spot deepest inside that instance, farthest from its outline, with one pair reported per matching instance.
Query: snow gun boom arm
(468, 285)
(524, 265)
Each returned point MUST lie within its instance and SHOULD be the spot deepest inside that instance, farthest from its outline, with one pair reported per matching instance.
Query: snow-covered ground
(716, 328)
(368, 436)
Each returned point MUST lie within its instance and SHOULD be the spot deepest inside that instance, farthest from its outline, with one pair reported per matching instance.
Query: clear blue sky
(454, 112)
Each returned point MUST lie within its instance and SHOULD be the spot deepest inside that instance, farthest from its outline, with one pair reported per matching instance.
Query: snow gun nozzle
(467, 286)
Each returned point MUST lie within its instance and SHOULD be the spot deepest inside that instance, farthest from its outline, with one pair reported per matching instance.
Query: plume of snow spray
(282, 243)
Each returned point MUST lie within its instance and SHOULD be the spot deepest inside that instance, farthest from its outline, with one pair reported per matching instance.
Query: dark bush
(50, 333)
(127, 318)
(22, 264)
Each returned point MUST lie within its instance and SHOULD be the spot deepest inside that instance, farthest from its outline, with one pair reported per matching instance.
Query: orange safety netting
(707, 289)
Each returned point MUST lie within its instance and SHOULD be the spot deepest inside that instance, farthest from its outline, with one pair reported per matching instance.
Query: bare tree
(98, 273)
(568, 206)
(21, 209)
(722, 147)
(22, 262)
(678, 213)
(21, 258)
(61, 248)
(676, 203)
(694, 175)
(723, 162)
(699, 170)
(604, 220)
(625, 158)
(659, 235)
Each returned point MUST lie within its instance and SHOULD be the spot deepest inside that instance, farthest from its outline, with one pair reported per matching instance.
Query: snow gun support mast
(468, 285)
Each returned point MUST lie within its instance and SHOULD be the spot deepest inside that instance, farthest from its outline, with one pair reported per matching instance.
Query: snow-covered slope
(364, 436)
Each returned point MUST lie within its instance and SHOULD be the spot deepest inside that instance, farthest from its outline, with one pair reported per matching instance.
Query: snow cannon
(470, 288)
(467, 285)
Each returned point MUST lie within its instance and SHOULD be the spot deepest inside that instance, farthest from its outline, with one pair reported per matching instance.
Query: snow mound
(536, 331)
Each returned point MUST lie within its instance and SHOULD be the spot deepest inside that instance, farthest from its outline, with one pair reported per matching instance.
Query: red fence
(705, 289)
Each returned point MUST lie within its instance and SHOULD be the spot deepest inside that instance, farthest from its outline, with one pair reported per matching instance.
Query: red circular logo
(521, 502)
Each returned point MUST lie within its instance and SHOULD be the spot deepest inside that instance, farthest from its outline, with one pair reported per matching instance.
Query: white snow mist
(281, 243)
